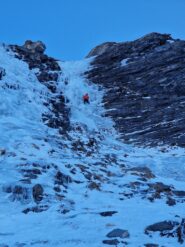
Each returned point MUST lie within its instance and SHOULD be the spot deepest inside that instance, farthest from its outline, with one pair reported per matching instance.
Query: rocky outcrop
(17, 193)
(115, 237)
(59, 115)
(34, 47)
(144, 82)
(160, 227)
(62, 179)
(48, 72)
(33, 53)
(118, 233)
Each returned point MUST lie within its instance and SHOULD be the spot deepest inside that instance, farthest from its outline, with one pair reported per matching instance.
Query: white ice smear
(124, 62)
(74, 87)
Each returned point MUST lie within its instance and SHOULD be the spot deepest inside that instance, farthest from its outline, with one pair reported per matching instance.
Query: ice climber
(86, 98)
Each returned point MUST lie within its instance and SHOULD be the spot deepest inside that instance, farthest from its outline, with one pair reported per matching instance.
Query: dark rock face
(145, 88)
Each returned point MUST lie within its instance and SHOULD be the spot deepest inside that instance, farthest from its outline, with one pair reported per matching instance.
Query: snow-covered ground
(23, 136)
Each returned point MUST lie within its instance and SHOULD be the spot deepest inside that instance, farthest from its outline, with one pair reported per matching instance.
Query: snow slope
(23, 136)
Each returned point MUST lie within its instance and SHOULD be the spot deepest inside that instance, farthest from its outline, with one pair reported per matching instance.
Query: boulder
(159, 187)
(37, 192)
(161, 226)
(118, 233)
(114, 242)
(108, 213)
(34, 47)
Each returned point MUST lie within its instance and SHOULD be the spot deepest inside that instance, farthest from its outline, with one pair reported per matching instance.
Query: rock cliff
(145, 88)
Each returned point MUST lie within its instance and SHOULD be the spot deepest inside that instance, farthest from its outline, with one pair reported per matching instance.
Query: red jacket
(86, 97)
